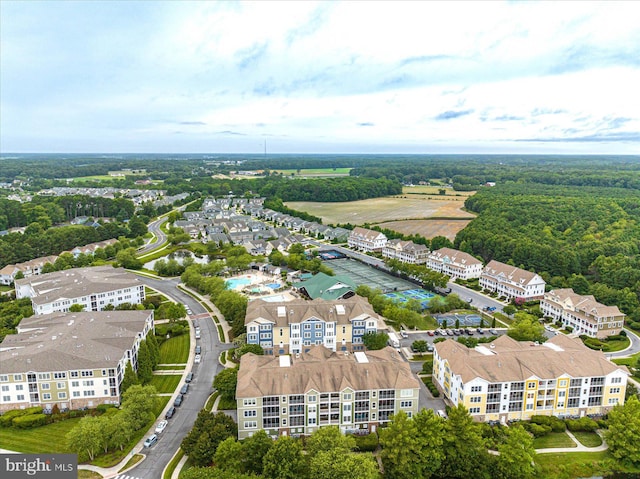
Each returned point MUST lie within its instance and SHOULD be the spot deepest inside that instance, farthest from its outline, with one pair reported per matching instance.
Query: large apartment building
(295, 326)
(511, 282)
(508, 379)
(405, 251)
(366, 240)
(73, 360)
(295, 395)
(93, 288)
(454, 263)
(582, 313)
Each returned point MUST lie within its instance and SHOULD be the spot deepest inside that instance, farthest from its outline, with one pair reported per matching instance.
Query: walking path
(579, 447)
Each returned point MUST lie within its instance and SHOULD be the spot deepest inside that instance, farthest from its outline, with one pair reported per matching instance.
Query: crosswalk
(125, 476)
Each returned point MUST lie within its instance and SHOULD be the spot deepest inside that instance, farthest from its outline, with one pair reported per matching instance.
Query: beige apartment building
(295, 395)
(73, 360)
(455, 264)
(406, 251)
(511, 282)
(366, 240)
(514, 380)
(582, 313)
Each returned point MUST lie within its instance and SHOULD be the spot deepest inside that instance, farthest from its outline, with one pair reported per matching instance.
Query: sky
(328, 77)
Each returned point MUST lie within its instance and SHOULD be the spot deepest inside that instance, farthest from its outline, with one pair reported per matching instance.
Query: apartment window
(250, 413)
(45, 386)
(60, 385)
(614, 391)
(20, 397)
(312, 398)
(19, 387)
(86, 374)
(406, 393)
(89, 393)
(4, 378)
(87, 383)
(613, 400)
(76, 394)
(6, 398)
(312, 421)
(44, 376)
(74, 374)
(250, 424)
(476, 389)
(531, 385)
(18, 377)
(75, 384)
(59, 375)
(307, 335)
(347, 396)
(307, 326)
(249, 402)
(474, 410)
(62, 395)
(406, 403)
(616, 380)
(475, 399)
(5, 389)
(46, 396)
(563, 383)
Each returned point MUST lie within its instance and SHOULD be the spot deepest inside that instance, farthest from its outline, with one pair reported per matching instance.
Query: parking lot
(424, 335)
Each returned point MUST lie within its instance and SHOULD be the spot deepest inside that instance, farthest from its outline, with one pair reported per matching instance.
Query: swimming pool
(274, 285)
(274, 299)
(235, 282)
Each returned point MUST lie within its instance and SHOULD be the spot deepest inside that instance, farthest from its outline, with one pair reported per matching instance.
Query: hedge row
(6, 420)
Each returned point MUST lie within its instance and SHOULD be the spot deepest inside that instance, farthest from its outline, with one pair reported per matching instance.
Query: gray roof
(67, 341)
(74, 283)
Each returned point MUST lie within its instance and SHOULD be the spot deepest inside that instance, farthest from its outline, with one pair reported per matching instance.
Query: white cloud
(353, 73)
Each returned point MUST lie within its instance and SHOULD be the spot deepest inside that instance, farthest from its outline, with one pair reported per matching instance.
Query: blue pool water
(235, 282)
(274, 285)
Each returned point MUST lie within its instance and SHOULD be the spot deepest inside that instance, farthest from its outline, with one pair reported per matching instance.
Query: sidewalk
(214, 310)
(579, 447)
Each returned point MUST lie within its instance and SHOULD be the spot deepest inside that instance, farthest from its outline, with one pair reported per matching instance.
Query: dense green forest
(582, 237)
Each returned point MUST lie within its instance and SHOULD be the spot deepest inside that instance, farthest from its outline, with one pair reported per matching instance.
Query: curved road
(200, 388)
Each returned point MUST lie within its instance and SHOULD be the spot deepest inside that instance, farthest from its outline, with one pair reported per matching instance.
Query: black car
(198, 349)
(178, 400)
(185, 389)
(170, 413)
(188, 378)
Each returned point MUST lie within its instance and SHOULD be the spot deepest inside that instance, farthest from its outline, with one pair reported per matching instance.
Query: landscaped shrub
(583, 424)
(432, 387)
(427, 366)
(102, 408)
(30, 420)
(367, 443)
(537, 430)
(6, 420)
(556, 425)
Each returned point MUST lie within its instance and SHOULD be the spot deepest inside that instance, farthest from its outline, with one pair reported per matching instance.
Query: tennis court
(418, 294)
(464, 319)
(361, 273)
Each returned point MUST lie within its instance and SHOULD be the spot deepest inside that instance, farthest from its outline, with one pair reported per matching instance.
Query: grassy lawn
(630, 361)
(161, 402)
(588, 439)
(49, 438)
(570, 465)
(173, 464)
(175, 350)
(169, 368)
(553, 439)
(166, 383)
(134, 460)
(86, 474)
(226, 403)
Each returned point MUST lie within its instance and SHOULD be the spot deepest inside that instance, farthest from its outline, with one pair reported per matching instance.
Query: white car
(161, 426)
(197, 358)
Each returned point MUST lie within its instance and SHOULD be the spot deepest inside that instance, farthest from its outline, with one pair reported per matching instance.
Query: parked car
(161, 426)
(441, 413)
(469, 331)
(197, 334)
(197, 359)
(480, 331)
(170, 412)
(436, 332)
(188, 378)
(431, 333)
(403, 333)
(429, 348)
(449, 332)
(493, 332)
(151, 440)
(178, 400)
(185, 389)
(198, 349)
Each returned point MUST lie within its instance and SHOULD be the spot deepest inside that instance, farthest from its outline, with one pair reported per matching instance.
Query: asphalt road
(160, 237)
(200, 388)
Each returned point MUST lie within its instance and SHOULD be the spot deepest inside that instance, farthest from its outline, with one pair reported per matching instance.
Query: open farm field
(427, 228)
(379, 210)
(435, 191)
(316, 172)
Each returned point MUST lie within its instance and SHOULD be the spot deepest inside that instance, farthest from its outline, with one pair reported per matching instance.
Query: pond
(179, 256)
